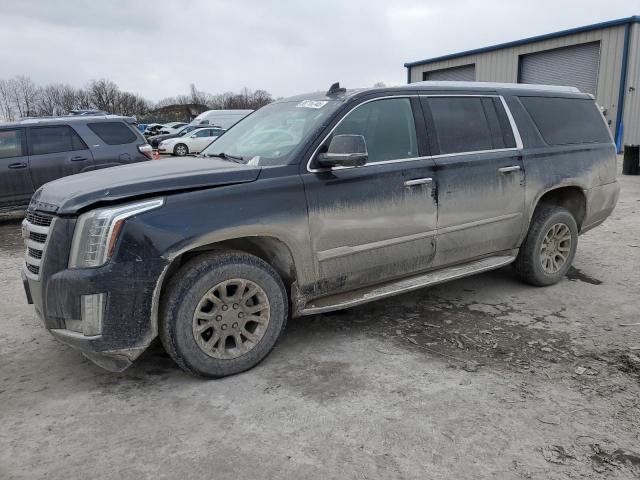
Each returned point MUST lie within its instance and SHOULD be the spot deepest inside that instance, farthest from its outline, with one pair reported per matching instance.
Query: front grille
(38, 237)
(35, 231)
(41, 219)
(33, 269)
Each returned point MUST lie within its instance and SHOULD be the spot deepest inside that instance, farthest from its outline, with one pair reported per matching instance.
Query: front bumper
(128, 317)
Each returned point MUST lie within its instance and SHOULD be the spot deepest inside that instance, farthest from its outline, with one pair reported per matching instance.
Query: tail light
(146, 150)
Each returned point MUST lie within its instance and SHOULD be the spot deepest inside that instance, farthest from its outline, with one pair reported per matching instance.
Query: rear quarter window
(565, 121)
(113, 133)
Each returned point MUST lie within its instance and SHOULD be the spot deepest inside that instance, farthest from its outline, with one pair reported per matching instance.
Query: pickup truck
(316, 203)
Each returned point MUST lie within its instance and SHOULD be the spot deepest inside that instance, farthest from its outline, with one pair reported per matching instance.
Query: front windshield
(186, 130)
(270, 135)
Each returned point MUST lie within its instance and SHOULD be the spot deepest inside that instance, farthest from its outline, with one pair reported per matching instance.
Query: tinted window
(205, 132)
(460, 124)
(506, 131)
(113, 133)
(54, 140)
(10, 143)
(563, 121)
(387, 127)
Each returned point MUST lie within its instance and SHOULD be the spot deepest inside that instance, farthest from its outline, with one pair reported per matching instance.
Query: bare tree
(103, 94)
(131, 104)
(21, 97)
(6, 106)
(24, 95)
(71, 98)
(51, 100)
(82, 99)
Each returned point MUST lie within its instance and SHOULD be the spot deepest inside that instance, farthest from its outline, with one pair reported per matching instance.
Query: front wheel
(548, 250)
(222, 313)
(180, 150)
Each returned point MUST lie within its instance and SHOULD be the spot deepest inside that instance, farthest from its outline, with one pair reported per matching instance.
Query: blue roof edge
(524, 41)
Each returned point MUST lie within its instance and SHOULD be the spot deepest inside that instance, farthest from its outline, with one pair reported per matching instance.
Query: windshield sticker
(312, 104)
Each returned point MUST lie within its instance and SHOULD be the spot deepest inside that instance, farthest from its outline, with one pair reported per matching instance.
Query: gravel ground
(479, 378)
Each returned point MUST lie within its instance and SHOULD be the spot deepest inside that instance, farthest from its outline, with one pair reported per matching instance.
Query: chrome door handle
(513, 168)
(418, 181)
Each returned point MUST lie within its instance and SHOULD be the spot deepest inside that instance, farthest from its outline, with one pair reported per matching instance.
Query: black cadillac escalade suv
(316, 203)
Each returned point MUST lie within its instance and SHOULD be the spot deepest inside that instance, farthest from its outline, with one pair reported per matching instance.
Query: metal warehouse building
(602, 59)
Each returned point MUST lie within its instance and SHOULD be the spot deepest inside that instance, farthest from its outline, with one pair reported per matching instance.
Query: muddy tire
(549, 248)
(222, 313)
(180, 150)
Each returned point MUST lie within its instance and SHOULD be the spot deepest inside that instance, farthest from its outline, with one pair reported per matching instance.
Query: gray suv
(317, 203)
(36, 151)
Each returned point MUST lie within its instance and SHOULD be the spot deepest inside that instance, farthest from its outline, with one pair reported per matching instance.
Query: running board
(403, 285)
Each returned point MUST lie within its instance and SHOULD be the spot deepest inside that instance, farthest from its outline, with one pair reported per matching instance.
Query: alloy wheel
(556, 248)
(231, 318)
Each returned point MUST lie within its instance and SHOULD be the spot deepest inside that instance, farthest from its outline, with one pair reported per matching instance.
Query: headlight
(96, 232)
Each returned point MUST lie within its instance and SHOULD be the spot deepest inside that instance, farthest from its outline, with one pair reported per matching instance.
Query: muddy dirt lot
(480, 378)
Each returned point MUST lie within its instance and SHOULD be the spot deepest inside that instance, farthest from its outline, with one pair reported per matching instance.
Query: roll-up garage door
(575, 66)
(466, 73)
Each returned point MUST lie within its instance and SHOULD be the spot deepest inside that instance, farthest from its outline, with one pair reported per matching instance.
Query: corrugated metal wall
(631, 132)
(459, 74)
(576, 66)
(502, 65)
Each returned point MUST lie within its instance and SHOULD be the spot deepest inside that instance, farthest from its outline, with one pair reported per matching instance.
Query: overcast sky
(158, 47)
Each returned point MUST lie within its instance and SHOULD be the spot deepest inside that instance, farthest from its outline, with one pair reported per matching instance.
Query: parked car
(317, 203)
(152, 129)
(36, 151)
(193, 142)
(88, 112)
(171, 127)
(155, 140)
(220, 118)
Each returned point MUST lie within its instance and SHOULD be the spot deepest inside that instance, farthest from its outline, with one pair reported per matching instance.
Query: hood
(164, 136)
(171, 139)
(70, 194)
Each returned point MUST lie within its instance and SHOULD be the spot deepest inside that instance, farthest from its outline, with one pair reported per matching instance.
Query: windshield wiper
(225, 156)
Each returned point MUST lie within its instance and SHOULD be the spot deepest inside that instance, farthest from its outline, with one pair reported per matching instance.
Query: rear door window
(205, 132)
(58, 139)
(11, 143)
(387, 126)
(459, 124)
(113, 133)
(564, 121)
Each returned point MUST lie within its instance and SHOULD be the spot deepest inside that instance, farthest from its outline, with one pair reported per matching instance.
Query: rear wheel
(548, 250)
(222, 313)
(180, 150)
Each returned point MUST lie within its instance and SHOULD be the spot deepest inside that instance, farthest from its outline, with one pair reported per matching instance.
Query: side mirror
(344, 151)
